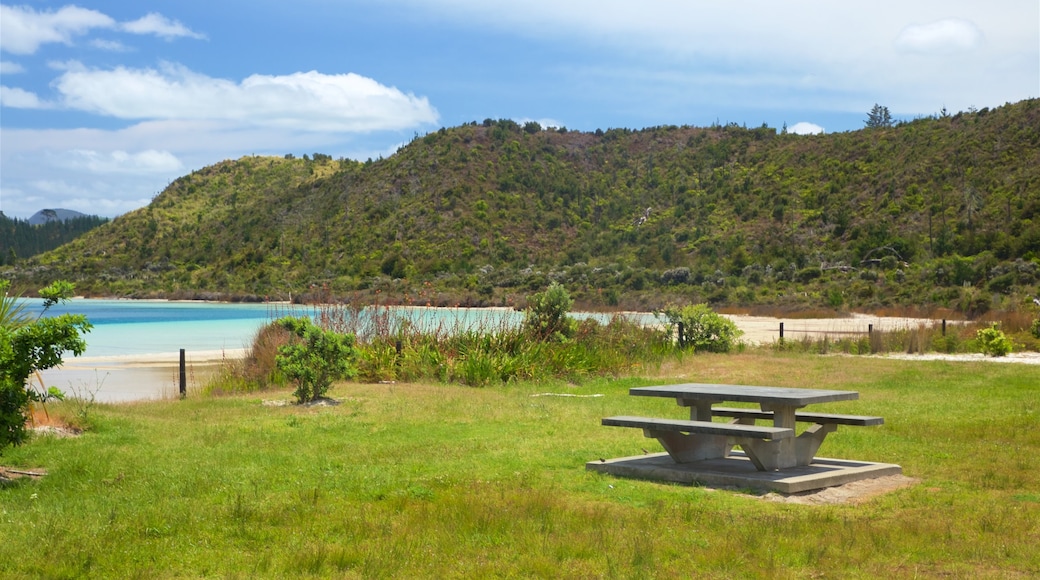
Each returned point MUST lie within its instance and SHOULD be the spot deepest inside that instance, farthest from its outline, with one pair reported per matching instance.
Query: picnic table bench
(769, 448)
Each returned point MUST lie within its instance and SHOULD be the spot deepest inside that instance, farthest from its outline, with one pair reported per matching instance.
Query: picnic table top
(745, 394)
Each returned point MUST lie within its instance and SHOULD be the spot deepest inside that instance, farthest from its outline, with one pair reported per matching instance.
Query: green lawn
(444, 481)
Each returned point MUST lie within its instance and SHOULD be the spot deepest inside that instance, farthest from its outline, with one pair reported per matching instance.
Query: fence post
(781, 330)
(184, 377)
(870, 329)
(944, 327)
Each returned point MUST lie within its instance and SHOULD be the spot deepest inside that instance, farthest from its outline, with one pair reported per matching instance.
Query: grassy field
(440, 481)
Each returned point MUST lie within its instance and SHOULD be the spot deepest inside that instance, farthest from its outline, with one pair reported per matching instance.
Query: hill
(49, 215)
(938, 211)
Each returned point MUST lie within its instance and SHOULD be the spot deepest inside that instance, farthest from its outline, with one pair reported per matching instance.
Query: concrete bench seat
(700, 427)
(819, 418)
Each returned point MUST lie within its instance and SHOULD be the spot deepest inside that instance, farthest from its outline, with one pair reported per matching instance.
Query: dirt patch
(850, 493)
(13, 473)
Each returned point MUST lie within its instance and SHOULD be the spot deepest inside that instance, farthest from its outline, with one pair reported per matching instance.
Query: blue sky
(103, 103)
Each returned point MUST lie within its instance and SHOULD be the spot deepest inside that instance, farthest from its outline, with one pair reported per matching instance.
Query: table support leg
(684, 448)
(808, 443)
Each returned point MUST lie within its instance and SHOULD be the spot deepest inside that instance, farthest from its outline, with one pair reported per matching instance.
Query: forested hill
(942, 211)
(45, 230)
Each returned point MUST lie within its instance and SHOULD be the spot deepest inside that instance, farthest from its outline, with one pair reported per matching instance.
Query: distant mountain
(54, 215)
(941, 211)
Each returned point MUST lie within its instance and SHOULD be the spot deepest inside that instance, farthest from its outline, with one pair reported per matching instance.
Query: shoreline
(150, 376)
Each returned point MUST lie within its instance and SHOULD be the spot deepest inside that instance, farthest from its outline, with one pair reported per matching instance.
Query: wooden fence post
(184, 377)
(781, 330)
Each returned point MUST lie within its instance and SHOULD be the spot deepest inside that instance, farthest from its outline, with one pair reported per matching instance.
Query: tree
(28, 346)
(315, 359)
(878, 117)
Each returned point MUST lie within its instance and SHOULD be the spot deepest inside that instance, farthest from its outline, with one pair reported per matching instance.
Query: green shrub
(703, 329)
(315, 358)
(1035, 328)
(993, 342)
(547, 314)
(27, 346)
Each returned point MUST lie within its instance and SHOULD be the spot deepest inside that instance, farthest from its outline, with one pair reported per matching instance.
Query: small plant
(703, 329)
(993, 342)
(315, 359)
(1035, 328)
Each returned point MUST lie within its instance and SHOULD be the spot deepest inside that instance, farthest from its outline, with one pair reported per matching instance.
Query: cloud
(308, 101)
(160, 26)
(747, 53)
(120, 162)
(16, 98)
(109, 45)
(9, 68)
(941, 37)
(805, 128)
(23, 30)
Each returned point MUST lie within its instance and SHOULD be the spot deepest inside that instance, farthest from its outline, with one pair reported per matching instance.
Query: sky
(103, 103)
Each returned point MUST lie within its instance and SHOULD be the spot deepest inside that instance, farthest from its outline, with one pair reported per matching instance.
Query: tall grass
(476, 348)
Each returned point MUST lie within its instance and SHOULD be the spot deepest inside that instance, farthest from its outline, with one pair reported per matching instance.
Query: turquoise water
(125, 327)
(138, 327)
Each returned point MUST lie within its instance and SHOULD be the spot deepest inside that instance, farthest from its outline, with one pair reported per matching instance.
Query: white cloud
(805, 128)
(101, 162)
(9, 68)
(546, 123)
(941, 37)
(16, 98)
(23, 30)
(748, 53)
(159, 25)
(308, 101)
(109, 45)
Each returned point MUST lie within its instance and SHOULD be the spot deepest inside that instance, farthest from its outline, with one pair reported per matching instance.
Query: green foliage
(703, 329)
(20, 239)
(933, 212)
(546, 317)
(315, 359)
(28, 346)
(993, 342)
(1034, 329)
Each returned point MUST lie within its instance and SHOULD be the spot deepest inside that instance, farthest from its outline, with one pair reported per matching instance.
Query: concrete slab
(738, 471)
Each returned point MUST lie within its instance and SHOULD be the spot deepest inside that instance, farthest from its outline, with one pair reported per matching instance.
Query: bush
(703, 329)
(28, 346)
(547, 318)
(993, 342)
(315, 358)
(1035, 328)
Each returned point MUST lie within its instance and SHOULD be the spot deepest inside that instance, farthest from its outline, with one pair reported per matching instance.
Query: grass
(434, 480)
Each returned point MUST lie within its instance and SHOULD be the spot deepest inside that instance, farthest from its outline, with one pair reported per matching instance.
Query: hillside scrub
(936, 212)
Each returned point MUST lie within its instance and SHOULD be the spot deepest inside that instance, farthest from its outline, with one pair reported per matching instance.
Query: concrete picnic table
(770, 448)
